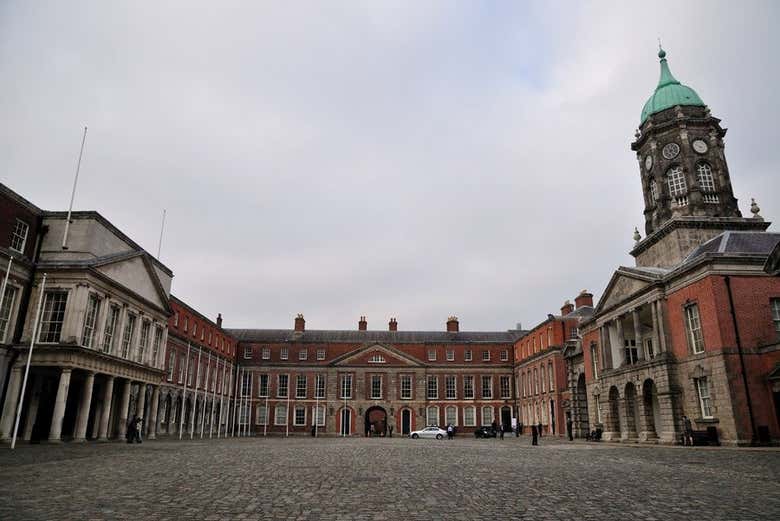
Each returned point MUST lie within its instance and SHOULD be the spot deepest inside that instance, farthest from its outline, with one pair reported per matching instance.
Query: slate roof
(581, 312)
(390, 337)
(736, 243)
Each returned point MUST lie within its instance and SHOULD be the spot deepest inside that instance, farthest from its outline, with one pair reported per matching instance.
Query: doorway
(346, 420)
(375, 421)
(506, 418)
(406, 422)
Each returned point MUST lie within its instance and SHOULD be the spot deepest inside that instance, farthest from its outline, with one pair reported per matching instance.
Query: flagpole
(316, 403)
(233, 417)
(73, 193)
(265, 426)
(344, 410)
(248, 380)
(249, 404)
(27, 365)
(184, 393)
(221, 397)
(213, 398)
(195, 399)
(162, 227)
(205, 395)
(287, 419)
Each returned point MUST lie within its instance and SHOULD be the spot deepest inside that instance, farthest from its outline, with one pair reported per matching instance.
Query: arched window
(433, 416)
(704, 177)
(676, 182)
(469, 419)
(487, 415)
(451, 416)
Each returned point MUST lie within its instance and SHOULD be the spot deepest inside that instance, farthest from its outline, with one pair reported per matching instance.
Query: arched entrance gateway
(376, 421)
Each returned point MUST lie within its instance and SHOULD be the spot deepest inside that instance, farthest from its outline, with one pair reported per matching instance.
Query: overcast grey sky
(408, 159)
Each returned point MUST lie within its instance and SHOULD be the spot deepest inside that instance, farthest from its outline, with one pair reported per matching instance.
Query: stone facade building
(692, 329)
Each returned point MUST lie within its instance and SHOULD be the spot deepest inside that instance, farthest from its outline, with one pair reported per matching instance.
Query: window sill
(712, 420)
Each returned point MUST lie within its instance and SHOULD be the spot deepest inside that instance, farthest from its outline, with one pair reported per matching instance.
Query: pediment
(621, 287)
(378, 355)
(138, 275)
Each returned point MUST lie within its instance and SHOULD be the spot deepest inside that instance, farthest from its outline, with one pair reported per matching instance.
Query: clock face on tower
(700, 146)
(648, 162)
(671, 150)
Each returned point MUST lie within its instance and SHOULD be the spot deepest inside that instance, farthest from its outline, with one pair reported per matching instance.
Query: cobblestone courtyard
(332, 478)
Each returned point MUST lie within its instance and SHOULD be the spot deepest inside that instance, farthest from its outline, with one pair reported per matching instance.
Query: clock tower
(685, 178)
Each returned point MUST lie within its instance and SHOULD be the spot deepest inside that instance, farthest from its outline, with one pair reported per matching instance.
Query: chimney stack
(219, 320)
(300, 323)
(362, 324)
(584, 299)
(567, 308)
(452, 325)
(393, 324)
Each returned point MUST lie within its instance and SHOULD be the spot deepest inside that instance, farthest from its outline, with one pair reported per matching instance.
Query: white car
(429, 432)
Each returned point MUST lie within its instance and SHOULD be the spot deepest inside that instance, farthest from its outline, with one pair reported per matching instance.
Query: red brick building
(543, 388)
(364, 381)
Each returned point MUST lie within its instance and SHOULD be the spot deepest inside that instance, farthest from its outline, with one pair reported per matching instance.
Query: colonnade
(613, 330)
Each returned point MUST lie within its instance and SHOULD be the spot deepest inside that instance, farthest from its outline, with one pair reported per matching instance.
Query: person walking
(501, 430)
(534, 435)
(139, 424)
(450, 431)
(569, 428)
(688, 431)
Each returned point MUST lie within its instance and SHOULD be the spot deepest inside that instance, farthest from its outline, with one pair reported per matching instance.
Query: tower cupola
(669, 93)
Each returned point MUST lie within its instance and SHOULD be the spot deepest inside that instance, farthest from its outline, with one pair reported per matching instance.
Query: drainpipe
(727, 280)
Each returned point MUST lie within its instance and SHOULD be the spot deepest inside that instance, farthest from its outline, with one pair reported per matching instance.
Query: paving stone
(386, 479)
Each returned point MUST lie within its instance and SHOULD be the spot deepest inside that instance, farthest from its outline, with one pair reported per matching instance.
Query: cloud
(387, 159)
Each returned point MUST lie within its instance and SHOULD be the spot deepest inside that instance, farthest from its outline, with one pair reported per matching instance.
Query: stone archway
(651, 418)
(631, 412)
(375, 421)
(581, 422)
(613, 415)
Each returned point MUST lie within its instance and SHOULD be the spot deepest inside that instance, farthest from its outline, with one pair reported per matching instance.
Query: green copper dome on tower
(669, 93)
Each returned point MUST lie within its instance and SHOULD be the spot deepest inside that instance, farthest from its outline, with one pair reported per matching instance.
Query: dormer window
(376, 358)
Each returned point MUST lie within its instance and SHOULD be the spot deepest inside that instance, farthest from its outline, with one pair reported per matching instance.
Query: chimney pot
(362, 324)
(393, 324)
(452, 325)
(585, 298)
(300, 323)
(567, 308)
(219, 320)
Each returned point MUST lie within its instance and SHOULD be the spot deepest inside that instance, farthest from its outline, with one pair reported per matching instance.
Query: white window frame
(703, 394)
(675, 180)
(705, 178)
(431, 355)
(508, 387)
(263, 381)
(266, 353)
(693, 329)
(430, 411)
(451, 387)
(143, 339)
(774, 305)
(48, 316)
(488, 409)
(296, 410)
(277, 409)
(468, 385)
(468, 356)
(432, 392)
(489, 388)
(247, 352)
(298, 379)
(406, 385)
(279, 386)
(171, 365)
(90, 320)
(469, 421)
(451, 415)
(284, 354)
(377, 358)
(594, 359)
(376, 378)
(320, 354)
(346, 387)
(127, 334)
(17, 236)
(504, 355)
(319, 386)
(486, 355)
(318, 418)
(450, 355)
(261, 414)
(550, 377)
(303, 354)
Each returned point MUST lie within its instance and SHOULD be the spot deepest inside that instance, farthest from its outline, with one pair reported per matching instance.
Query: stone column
(151, 430)
(640, 348)
(656, 336)
(123, 405)
(140, 404)
(55, 433)
(108, 395)
(83, 415)
(621, 341)
(32, 411)
(661, 327)
(11, 401)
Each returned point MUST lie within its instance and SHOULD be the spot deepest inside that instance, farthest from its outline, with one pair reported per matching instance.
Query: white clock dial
(671, 150)
(700, 146)
(648, 162)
